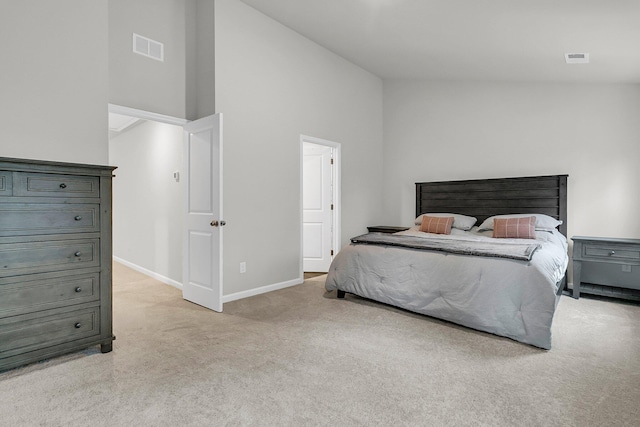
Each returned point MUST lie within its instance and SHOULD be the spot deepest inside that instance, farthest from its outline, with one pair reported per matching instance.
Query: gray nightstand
(606, 266)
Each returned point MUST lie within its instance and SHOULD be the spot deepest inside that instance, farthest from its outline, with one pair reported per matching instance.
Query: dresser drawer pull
(78, 289)
(78, 325)
(77, 218)
(612, 253)
(77, 254)
(63, 185)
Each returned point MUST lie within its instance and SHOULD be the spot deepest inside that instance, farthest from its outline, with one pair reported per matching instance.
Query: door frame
(336, 195)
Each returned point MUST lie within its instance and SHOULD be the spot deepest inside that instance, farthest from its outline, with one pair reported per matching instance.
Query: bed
(508, 287)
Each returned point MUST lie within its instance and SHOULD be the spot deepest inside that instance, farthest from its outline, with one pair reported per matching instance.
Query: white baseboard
(158, 277)
(261, 290)
(225, 298)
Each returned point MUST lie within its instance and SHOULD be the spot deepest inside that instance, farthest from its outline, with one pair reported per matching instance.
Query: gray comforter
(507, 297)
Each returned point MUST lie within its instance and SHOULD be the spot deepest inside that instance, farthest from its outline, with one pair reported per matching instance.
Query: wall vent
(147, 47)
(576, 58)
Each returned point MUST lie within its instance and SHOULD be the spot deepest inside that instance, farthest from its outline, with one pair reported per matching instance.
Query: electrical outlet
(243, 267)
(626, 268)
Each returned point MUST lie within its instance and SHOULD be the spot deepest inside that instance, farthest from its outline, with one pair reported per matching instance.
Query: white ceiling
(503, 40)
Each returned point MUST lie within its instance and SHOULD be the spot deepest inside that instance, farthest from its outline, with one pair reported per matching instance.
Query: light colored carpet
(300, 357)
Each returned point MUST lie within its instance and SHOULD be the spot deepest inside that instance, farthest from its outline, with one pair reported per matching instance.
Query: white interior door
(317, 214)
(202, 269)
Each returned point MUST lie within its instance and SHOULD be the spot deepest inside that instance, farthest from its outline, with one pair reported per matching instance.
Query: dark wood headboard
(483, 198)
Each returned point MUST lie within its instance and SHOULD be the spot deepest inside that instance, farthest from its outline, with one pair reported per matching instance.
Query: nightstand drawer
(610, 253)
(51, 185)
(26, 219)
(23, 333)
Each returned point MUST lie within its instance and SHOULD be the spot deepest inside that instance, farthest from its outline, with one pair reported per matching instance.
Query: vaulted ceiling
(495, 40)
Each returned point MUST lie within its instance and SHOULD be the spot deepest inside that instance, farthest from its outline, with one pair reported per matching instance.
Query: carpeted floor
(300, 357)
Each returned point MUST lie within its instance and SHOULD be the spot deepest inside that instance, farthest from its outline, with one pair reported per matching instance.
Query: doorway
(195, 241)
(320, 200)
(147, 191)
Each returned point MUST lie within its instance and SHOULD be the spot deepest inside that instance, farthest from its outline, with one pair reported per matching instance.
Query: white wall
(147, 201)
(53, 80)
(454, 130)
(139, 82)
(271, 86)
(200, 58)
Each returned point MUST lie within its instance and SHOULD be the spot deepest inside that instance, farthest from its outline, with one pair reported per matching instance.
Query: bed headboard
(483, 198)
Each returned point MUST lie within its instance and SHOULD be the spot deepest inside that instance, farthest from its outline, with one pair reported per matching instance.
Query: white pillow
(461, 222)
(543, 222)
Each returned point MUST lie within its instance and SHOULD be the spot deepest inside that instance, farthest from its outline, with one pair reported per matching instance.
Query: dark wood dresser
(55, 259)
(606, 266)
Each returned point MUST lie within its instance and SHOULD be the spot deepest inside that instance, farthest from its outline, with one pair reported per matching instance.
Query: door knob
(214, 223)
(223, 223)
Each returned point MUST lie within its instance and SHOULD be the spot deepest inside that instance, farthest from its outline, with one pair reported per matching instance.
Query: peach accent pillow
(436, 224)
(515, 228)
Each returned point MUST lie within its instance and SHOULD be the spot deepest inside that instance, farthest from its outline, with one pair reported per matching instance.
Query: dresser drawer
(35, 257)
(610, 253)
(20, 334)
(28, 219)
(6, 183)
(51, 185)
(25, 296)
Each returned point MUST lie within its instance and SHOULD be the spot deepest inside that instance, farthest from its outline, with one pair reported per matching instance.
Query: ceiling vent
(147, 47)
(576, 58)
